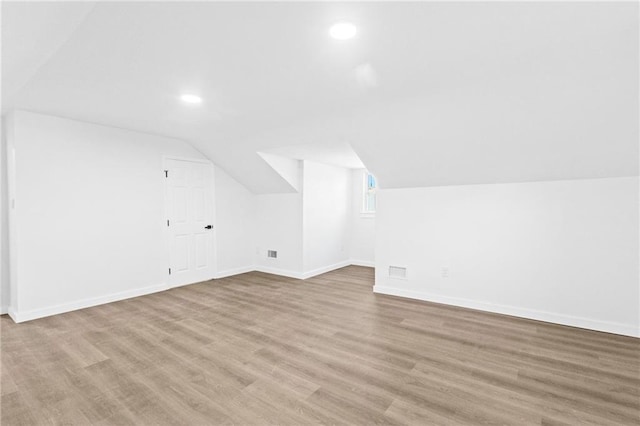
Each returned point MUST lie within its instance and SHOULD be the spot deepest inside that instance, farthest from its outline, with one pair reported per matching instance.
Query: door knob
(208, 227)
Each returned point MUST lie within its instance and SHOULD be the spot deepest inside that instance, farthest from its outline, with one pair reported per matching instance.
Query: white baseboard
(302, 275)
(21, 316)
(18, 316)
(293, 274)
(325, 269)
(608, 327)
(4, 310)
(235, 271)
(367, 263)
(12, 313)
(281, 272)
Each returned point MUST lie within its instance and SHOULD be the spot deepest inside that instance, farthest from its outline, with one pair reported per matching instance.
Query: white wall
(561, 251)
(310, 230)
(4, 226)
(278, 226)
(89, 213)
(235, 225)
(9, 134)
(88, 226)
(287, 168)
(363, 231)
(326, 200)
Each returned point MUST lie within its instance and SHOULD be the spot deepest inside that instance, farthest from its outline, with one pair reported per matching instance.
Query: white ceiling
(426, 94)
(31, 35)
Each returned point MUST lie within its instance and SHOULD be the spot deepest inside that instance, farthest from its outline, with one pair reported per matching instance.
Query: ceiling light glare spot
(343, 31)
(191, 99)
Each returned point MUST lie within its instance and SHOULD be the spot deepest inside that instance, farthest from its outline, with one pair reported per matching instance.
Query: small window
(369, 194)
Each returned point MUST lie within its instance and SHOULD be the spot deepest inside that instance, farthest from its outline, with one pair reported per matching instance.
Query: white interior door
(189, 221)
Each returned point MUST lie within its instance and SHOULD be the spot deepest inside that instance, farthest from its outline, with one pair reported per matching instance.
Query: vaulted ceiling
(426, 93)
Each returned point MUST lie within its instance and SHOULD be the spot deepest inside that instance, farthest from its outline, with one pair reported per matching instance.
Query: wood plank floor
(259, 349)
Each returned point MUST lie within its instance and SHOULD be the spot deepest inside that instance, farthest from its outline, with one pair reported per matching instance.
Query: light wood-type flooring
(261, 349)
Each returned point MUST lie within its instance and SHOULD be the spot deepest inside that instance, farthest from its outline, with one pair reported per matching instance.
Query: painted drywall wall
(278, 227)
(9, 134)
(234, 225)
(288, 168)
(363, 225)
(89, 213)
(310, 230)
(563, 251)
(326, 204)
(4, 224)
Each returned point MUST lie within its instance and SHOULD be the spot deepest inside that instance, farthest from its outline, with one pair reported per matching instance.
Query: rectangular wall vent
(272, 253)
(398, 272)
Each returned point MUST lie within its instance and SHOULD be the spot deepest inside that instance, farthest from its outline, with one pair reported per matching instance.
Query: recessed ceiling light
(342, 30)
(191, 99)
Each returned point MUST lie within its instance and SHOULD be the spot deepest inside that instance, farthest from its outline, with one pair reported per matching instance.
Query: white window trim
(363, 212)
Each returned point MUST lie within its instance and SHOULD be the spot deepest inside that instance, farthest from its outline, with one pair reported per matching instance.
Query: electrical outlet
(272, 253)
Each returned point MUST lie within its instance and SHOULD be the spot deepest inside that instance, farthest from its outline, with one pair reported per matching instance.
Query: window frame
(367, 191)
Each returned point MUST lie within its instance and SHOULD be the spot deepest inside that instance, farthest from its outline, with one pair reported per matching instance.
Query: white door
(189, 221)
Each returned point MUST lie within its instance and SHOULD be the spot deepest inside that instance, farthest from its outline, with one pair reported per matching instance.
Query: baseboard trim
(562, 319)
(367, 263)
(235, 271)
(325, 269)
(12, 313)
(18, 316)
(302, 275)
(276, 271)
(22, 316)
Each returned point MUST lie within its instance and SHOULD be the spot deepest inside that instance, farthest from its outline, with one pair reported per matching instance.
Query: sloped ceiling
(32, 35)
(426, 93)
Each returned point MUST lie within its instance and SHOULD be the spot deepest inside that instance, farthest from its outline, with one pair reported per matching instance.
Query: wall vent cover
(272, 253)
(398, 272)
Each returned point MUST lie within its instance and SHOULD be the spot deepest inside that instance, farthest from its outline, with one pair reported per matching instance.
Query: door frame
(165, 211)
